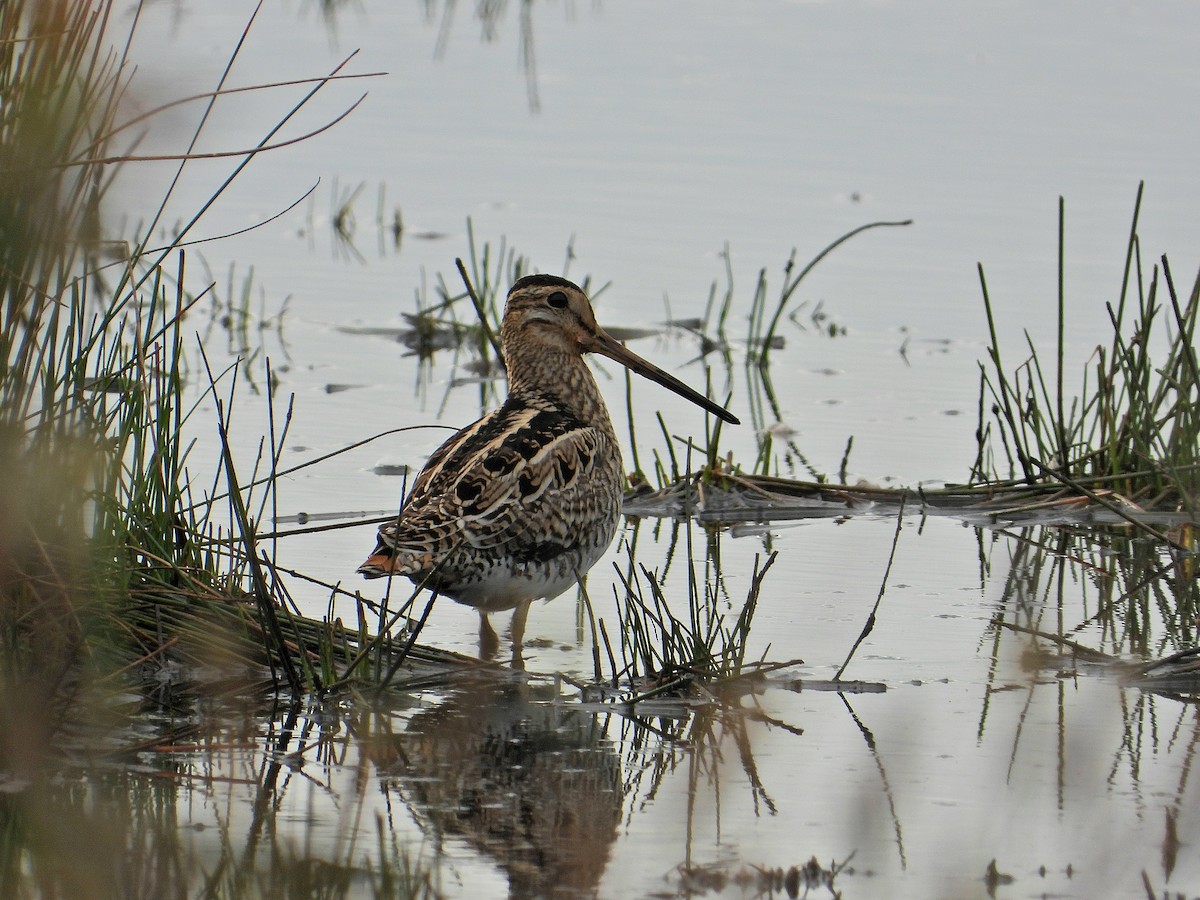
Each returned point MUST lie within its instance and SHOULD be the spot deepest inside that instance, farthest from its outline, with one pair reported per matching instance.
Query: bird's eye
(558, 300)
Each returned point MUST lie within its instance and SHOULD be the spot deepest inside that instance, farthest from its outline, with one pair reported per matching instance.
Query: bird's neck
(549, 371)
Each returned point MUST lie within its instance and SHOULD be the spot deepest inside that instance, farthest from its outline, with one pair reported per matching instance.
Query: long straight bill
(606, 345)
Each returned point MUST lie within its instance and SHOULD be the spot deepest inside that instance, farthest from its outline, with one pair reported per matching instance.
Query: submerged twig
(870, 623)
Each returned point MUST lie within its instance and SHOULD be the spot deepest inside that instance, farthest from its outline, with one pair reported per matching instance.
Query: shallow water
(647, 138)
(965, 742)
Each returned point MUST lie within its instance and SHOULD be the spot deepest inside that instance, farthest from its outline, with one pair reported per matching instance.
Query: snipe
(520, 504)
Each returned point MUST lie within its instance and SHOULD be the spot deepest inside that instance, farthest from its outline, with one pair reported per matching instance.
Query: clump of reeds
(95, 388)
(90, 378)
(111, 569)
(1134, 426)
(63, 432)
(660, 653)
(763, 321)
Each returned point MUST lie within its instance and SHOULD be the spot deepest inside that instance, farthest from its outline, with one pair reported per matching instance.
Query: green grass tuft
(1133, 428)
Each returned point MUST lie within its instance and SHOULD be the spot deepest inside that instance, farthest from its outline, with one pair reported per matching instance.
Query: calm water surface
(648, 138)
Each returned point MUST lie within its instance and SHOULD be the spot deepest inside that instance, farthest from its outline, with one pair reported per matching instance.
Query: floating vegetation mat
(737, 498)
(193, 639)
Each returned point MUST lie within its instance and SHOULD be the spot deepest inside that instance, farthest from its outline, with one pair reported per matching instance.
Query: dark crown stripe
(530, 281)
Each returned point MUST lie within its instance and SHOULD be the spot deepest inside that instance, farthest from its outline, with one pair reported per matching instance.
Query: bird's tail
(381, 562)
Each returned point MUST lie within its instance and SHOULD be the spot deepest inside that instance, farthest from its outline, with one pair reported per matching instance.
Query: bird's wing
(516, 483)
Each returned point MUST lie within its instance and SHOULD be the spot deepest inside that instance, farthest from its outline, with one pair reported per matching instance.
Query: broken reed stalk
(869, 625)
(484, 321)
(791, 284)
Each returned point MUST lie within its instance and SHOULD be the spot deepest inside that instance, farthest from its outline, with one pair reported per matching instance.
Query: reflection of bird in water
(533, 786)
(519, 505)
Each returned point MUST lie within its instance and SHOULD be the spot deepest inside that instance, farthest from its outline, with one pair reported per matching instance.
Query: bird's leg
(517, 630)
(489, 641)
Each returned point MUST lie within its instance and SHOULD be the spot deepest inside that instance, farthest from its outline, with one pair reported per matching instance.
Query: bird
(520, 504)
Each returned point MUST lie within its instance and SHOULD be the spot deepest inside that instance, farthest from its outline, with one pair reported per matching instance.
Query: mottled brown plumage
(520, 504)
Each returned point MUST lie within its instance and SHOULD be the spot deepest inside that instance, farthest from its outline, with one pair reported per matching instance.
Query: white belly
(506, 584)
